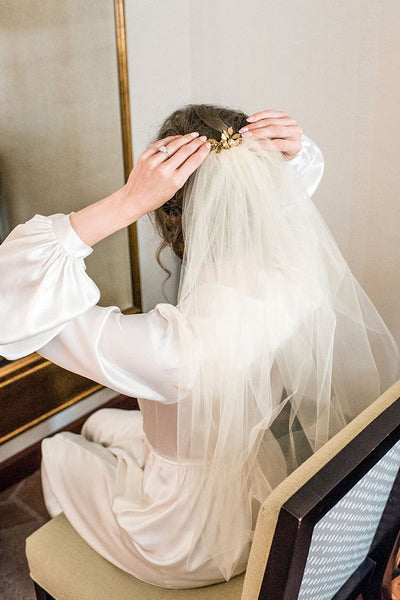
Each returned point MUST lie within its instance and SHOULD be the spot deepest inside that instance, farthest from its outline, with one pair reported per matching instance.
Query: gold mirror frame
(33, 385)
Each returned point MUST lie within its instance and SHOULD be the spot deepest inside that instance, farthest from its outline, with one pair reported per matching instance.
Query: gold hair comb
(228, 140)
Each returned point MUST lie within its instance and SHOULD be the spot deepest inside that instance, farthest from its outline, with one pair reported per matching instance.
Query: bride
(269, 323)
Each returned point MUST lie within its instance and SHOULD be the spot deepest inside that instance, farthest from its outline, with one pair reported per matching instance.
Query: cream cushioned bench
(65, 565)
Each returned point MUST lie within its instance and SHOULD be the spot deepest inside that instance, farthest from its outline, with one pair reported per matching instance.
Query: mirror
(65, 143)
(61, 141)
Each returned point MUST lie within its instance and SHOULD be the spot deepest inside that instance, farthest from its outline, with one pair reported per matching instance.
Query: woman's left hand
(283, 131)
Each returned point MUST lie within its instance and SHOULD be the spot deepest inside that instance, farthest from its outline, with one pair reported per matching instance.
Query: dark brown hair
(208, 120)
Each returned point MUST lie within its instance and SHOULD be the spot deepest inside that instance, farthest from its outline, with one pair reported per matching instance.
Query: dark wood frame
(26, 383)
(301, 512)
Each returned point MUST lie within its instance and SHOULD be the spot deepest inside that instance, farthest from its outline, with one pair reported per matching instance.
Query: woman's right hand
(154, 179)
(156, 176)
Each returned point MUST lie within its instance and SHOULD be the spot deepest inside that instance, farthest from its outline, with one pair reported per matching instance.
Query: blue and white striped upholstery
(341, 539)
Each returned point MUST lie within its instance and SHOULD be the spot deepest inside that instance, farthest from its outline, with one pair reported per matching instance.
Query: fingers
(266, 129)
(265, 114)
(184, 151)
(272, 124)
(153, 148)
(264, 122)
(172, 146)
(289, 147)
(175, 146)
(194, 161)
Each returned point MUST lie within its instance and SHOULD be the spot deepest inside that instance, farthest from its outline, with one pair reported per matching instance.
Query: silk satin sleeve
(309, 162)
(48, 304)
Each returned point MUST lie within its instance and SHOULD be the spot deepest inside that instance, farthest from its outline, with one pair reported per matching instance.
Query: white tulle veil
(286, 346)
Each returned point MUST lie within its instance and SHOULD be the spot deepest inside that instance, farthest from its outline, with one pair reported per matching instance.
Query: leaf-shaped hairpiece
(228, 140)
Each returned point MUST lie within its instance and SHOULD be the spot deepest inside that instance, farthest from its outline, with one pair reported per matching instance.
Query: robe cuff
(67, 236)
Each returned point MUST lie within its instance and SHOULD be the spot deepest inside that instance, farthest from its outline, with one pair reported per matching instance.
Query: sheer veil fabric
(278, 321)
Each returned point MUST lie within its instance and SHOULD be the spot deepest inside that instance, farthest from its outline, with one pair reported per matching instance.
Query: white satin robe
(117, 481)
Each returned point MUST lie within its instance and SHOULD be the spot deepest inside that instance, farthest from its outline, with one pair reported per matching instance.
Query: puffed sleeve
(48, 304)
(309, 162)
(43, 283)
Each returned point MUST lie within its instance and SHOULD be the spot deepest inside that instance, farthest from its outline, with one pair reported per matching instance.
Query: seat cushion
(62, 563)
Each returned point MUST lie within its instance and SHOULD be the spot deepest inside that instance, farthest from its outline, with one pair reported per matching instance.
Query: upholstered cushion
(62, 563)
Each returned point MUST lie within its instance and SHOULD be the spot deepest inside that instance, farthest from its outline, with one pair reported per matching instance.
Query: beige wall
(333, 65)
(375, 226)
(160, 81)
(60, 134)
